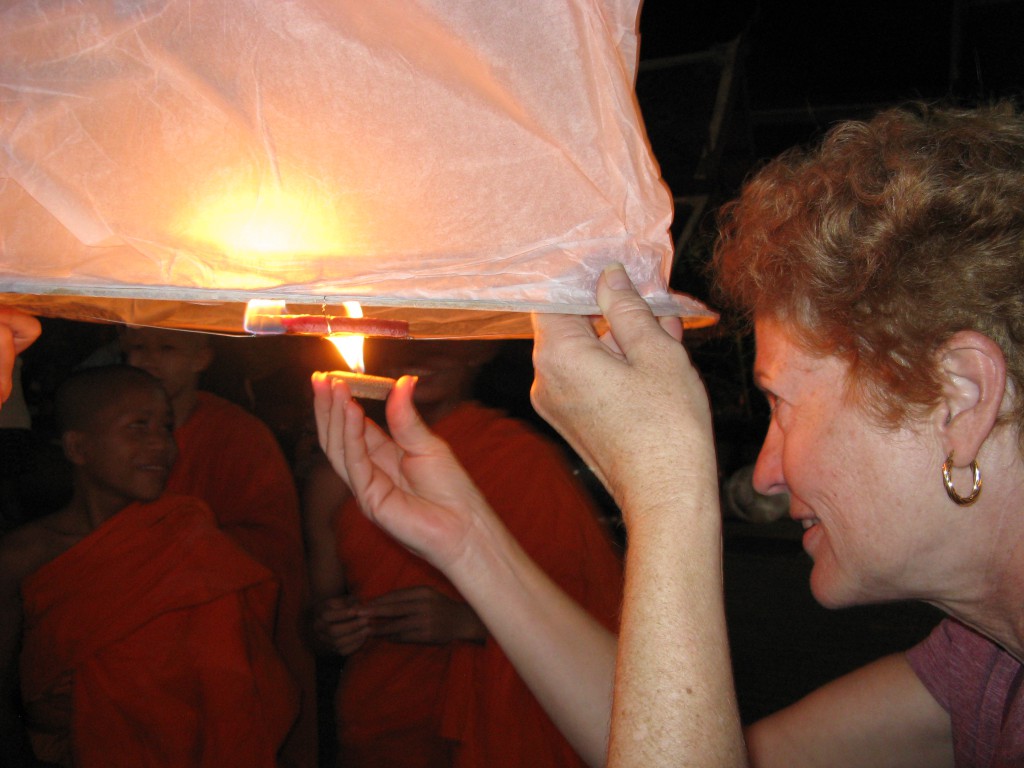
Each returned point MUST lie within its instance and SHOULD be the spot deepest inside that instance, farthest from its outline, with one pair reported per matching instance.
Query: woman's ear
(973, 376)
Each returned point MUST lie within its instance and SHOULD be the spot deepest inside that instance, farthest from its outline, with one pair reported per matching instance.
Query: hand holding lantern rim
(632, 405)
(17, 332)
(614, 395)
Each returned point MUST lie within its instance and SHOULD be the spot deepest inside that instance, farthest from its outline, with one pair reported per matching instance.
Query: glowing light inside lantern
(351, 345)
(260, 220)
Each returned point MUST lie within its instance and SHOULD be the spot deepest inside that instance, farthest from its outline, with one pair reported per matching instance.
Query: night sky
(809, 63)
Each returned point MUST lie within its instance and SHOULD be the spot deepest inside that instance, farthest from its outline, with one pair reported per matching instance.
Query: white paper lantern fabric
(453, 163)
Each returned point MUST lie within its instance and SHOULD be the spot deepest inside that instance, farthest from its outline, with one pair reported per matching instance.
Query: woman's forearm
(674, 698)
(564, 655)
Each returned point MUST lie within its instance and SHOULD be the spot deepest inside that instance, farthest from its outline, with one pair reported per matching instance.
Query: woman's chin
(829, 590)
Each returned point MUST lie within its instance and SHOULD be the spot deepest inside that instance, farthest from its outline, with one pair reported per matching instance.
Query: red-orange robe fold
(149, 643)
(231, 460)
(424, 706)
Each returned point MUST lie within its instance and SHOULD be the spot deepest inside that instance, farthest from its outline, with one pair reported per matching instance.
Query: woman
(884, 273)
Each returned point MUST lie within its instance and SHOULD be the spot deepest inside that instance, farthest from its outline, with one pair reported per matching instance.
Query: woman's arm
(634, 408)
(413, 487)
(880, 714)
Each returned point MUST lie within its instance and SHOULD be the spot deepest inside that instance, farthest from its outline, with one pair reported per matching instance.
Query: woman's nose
(768, 478)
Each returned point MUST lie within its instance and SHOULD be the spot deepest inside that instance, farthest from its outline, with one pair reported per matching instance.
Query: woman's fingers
(629, 317)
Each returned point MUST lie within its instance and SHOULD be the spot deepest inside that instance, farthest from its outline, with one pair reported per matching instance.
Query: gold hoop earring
(947, 480)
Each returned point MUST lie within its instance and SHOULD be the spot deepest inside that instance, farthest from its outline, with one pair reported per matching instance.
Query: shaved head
(86, 393)
(191, 340)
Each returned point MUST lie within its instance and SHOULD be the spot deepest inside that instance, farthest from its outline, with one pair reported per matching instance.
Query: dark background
(809, 63)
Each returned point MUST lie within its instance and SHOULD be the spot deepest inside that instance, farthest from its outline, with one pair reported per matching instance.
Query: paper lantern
(450, 163)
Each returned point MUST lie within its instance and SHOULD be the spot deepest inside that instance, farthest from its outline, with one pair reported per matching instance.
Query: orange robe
(230, 459)
(149, 643)
(421, 706)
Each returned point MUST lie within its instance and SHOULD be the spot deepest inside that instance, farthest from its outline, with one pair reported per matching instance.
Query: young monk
(231, 460)
(145, 633)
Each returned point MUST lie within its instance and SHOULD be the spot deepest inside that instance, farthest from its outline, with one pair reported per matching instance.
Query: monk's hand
(17, 332)
(628, 401)
(408, 483)
(340, 625)
(424, 615)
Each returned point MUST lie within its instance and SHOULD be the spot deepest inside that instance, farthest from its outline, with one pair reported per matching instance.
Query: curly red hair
(885, 240)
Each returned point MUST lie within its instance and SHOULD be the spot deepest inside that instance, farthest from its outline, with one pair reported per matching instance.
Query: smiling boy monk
(145, 632)
(231, 460)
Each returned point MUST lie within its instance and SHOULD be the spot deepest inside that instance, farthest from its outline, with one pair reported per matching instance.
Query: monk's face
(447, 369)
(176, 358)
(127, 451)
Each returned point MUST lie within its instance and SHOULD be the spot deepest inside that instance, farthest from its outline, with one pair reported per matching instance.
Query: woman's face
(867, 496)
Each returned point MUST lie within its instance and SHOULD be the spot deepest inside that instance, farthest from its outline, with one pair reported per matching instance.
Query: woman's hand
(410, 484)
(628, 401)
(17, 332)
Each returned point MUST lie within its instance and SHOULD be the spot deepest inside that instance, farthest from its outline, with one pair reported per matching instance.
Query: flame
(256, 308)
(351, 345)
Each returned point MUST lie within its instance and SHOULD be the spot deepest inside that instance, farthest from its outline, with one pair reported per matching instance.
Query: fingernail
(615, 276)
